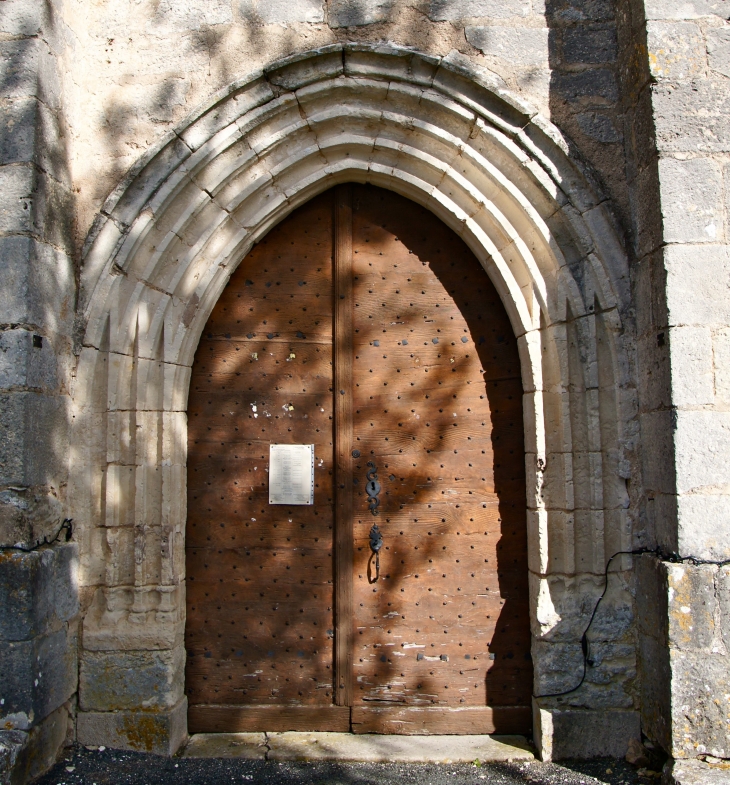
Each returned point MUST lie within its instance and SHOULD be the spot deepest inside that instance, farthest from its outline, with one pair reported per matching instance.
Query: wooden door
(288, 627)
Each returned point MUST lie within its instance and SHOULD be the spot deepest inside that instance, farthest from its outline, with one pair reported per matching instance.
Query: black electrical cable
(45, 541)
(584, 638)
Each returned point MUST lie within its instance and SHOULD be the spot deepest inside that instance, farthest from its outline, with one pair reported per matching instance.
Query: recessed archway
(164, 247)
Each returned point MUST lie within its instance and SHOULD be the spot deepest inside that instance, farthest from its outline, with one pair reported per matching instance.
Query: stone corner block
(693, 772)
(37, 590)
(12, 747)
(155, 731)
(131, 680)
(561, 734)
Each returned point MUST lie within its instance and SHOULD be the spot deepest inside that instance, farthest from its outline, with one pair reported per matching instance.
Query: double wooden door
(363, 325)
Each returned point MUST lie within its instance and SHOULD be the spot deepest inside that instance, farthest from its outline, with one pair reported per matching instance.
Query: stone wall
(684, 313)
(38, 588)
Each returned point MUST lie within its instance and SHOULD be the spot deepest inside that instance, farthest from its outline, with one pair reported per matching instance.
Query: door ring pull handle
(376, 543)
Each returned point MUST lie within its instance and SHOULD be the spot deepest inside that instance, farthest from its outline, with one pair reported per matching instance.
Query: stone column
(682, 300)
(38, 593)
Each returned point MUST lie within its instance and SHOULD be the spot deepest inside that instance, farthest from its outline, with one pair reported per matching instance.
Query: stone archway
(161, 252)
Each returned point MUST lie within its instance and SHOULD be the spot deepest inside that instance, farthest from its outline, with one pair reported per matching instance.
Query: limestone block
(24, 363)
(18, 131)
(38, 285)
(44, 742)
(300, 70)
(558, 666)
(571, 11)
(718, 50)
(518, 45)
(12, 747)
(455, 10)
(691, 366)
(172, 17)
(599, 126)
(697, 278)
(703, 526)
(694, 772)
(702, 450)
(38, 591)
(722, 584)
(700, 688)
(119, 680)
(693, 118)
(645, 209)
(593, 87)
(386, 61)
(683, 9)
(39, 675)
(589, 46)
(23, 18)
(356, 13)
(281, 12)
(658, 460)
(586, 734)
(28, 69)
(144, 179)
(692, 607)
(154, 730)
(16, 211)
(33, 450)
(29, 516)
(676, 50)
(692, 200)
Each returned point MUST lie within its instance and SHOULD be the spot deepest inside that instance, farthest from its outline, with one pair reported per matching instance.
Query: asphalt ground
(80, 766)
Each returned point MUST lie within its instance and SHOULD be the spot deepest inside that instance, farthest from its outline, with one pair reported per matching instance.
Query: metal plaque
(291, 474)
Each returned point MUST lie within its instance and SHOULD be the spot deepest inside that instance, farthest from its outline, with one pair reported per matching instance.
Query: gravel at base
(112, 767)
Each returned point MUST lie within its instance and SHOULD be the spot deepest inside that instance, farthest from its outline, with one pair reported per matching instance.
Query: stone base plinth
(160, 731)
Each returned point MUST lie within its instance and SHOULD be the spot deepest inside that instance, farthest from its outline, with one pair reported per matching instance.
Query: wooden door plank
(262, 719)
(343, 352)
(433, 720)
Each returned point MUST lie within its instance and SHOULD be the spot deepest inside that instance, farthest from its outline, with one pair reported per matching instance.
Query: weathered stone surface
(697, 277)
(38, 591)
(245, 746)
(44, 741)
(355, 13)
(718, 50)
(693, 118)
(454, 10)
(692, 606)
(692, 200)
(692, 381)
(579, 734)
(29, 516)
(701, 694)
(694, 772)
(519, 45)
(372, 748)
(703, 526)
(24, 363)
(38, 676)
(570, 11)
(153, 730)
(12, 745)
(37, 431)
(38, 285)
(596, 87)
(581, 45)
(702, 450)
(111, 681)
(282, 12)
(683, 9)
(676, 50)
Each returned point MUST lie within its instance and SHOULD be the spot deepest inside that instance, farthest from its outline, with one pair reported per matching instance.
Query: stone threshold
(358, 748)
